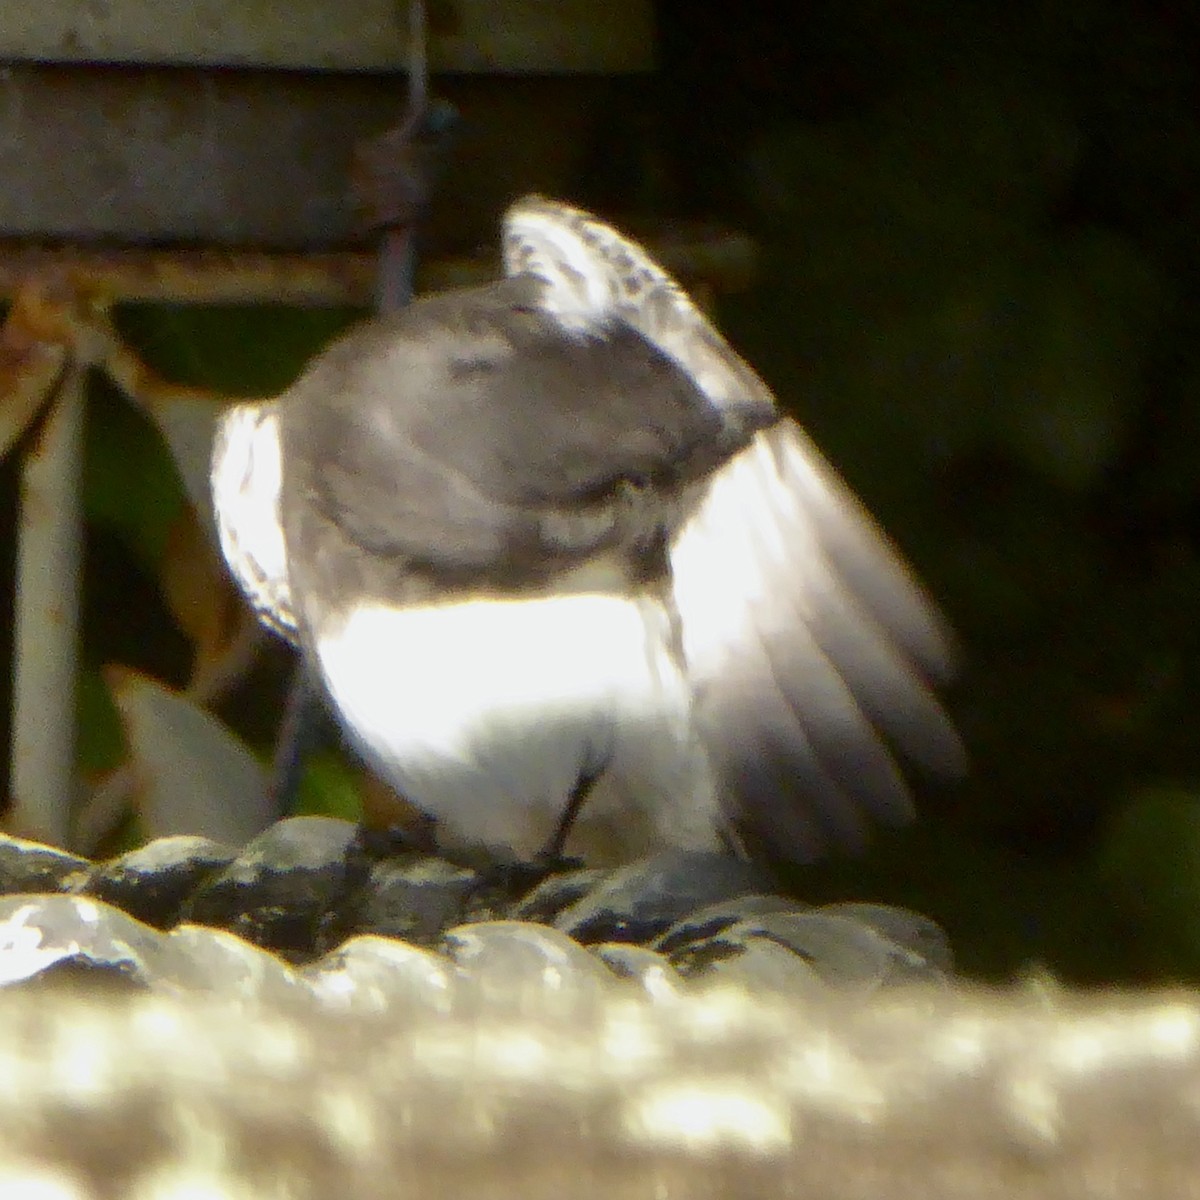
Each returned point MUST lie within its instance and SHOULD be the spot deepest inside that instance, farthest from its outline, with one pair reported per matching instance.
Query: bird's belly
(486, 713)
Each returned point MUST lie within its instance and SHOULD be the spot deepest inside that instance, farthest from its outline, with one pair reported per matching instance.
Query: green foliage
(974, 301)
(101, 743)
(329, 787)
(130, 484)
(242, 350)
(934, 308)
(132, 490)
(1150, 856)
(1088, 317)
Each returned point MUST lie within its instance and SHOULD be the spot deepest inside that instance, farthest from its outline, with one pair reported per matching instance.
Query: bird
(571, 580)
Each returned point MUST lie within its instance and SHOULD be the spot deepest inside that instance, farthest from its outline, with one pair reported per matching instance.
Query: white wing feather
(246, 478)
(593, 274)
(807, 645)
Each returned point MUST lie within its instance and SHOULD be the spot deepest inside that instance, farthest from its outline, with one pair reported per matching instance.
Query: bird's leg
(516, 879)
(551, 854)
(295, 738)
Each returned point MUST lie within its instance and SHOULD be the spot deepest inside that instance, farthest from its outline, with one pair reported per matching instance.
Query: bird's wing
(810, 649)
(807, 642)
(592, 275)
(246, 473)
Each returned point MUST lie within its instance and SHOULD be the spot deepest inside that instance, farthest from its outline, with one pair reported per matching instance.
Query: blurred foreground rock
(359, 1021)
(312, 894)
(609, 1095)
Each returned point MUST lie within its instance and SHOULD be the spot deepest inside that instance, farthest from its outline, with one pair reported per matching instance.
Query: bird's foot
(517, 879)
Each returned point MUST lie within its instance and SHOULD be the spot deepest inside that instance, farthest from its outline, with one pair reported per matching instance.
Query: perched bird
(570, 579)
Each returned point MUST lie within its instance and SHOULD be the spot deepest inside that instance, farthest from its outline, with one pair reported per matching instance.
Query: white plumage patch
(717, 567)
(486, 713)
(539, 242)
(807, 644)
(246, 476)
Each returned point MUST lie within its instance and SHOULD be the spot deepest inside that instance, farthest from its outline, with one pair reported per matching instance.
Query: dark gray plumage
(467, 442)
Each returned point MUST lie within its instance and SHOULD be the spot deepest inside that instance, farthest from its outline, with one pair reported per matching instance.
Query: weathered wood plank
(261, 158)
(477, 36)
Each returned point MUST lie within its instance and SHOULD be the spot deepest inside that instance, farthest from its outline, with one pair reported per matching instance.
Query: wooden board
(199, 156)
(476, 36)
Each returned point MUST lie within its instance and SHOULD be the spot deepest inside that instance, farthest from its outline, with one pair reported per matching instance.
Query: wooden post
(46, 640)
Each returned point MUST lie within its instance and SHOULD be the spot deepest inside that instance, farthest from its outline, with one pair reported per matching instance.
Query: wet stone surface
(313, 912)
(637, 902)
(286, 886)
(414, 899)
(31, 867)
(558, 893)
(155, 881)
(840, 950)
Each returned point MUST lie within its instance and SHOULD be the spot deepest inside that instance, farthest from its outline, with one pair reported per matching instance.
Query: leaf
(193, 775)
(329, 787)
(1150, 856)
(1089, 310)
(187, 422)
(185, 417)
(129, 482)
(100, 746)
(244, 350)
(200, 595)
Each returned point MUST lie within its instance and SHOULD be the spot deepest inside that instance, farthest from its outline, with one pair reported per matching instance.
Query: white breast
(485, 713)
